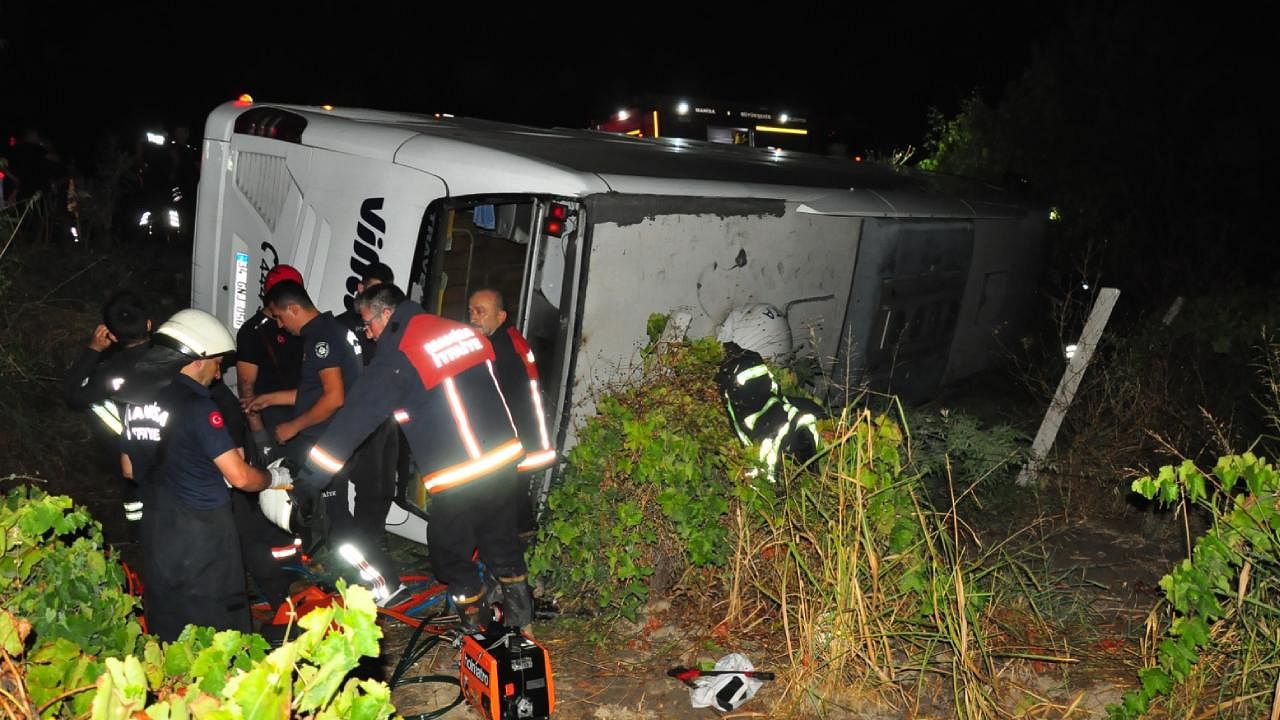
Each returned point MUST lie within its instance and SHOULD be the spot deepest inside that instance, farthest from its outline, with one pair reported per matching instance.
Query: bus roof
(478, 157)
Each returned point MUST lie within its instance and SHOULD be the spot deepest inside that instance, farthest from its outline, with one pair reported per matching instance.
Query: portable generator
(506, 675)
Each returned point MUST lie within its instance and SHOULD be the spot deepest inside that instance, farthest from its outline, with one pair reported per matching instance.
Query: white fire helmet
(760, 327)
(195, 334)
(725, 692)
(277, 506)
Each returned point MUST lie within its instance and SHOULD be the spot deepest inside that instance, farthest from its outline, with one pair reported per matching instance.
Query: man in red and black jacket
(435, 377)
(517, 374)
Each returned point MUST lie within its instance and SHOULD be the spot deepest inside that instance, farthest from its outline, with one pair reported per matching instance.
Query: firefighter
(177, 446)
(435, 377)
(118, 342)
(759, 413)
(374, 464)
(373, 275)
(517, 375)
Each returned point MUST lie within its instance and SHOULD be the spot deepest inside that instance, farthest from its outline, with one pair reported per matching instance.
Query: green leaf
(361, 700)
(154, 664)
(1145, 486)
(11, 641)
(1135, 704)
(1228, 471)
(629, 514)
(1196, 487)
(263, 693)
(121, 691)
(39, 518)
(210, 666)
(1168, 486)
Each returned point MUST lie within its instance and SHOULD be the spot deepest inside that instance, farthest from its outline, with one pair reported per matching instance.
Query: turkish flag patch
(215, 419)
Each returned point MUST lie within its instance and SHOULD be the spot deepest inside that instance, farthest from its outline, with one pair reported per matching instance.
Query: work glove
(280, 475)
(264, 446)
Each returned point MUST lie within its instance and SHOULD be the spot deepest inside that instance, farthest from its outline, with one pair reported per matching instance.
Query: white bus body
(914, 283)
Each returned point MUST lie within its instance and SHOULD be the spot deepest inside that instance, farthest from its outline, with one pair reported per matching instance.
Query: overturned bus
(906, 284)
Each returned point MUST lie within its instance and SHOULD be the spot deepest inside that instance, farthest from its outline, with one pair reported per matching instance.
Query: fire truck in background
(717, 122)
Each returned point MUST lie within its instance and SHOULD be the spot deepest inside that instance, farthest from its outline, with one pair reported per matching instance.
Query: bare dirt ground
(625, 680)
(1105, 584)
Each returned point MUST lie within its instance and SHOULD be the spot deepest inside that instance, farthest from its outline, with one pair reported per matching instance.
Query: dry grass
(865, 618)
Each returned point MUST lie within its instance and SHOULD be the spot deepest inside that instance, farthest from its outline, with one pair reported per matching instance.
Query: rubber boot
(517, 601)
(473, 616)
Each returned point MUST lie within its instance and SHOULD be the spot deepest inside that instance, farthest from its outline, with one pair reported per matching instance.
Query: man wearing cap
(176, 445)
(268, 359)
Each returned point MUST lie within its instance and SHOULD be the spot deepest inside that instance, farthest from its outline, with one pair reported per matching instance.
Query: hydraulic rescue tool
(688, 675)
(503, 673)
(506, 675)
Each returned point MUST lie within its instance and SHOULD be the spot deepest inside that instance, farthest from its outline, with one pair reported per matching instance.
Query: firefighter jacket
(91, 381)
(518, 377)
(191, 559)
(436, 378)
(759, 413)
(175, 437)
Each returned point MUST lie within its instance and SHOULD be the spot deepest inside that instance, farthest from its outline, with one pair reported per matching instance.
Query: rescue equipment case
(506, 675)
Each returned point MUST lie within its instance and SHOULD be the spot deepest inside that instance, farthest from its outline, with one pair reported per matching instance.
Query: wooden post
(1173, 311)
(677, 326)
(1066, 392)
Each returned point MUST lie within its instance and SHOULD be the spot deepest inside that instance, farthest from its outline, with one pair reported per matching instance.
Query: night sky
(78, 73)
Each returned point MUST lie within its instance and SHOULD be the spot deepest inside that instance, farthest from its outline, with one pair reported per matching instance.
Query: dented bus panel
(884, 279)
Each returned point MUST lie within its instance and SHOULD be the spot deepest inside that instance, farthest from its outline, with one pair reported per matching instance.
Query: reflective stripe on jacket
(517, 373)
(436, 378)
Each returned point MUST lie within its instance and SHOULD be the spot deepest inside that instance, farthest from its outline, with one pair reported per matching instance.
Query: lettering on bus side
(264, 266)
(370, 230)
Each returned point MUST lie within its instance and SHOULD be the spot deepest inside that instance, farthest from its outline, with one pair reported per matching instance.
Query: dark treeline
(1145, 127)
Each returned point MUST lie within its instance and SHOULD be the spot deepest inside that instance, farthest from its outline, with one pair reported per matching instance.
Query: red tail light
(557, 214)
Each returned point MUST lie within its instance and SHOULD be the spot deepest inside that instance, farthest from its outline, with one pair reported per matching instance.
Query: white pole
(1066, 392)
(1173, 313)
(674, 331)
